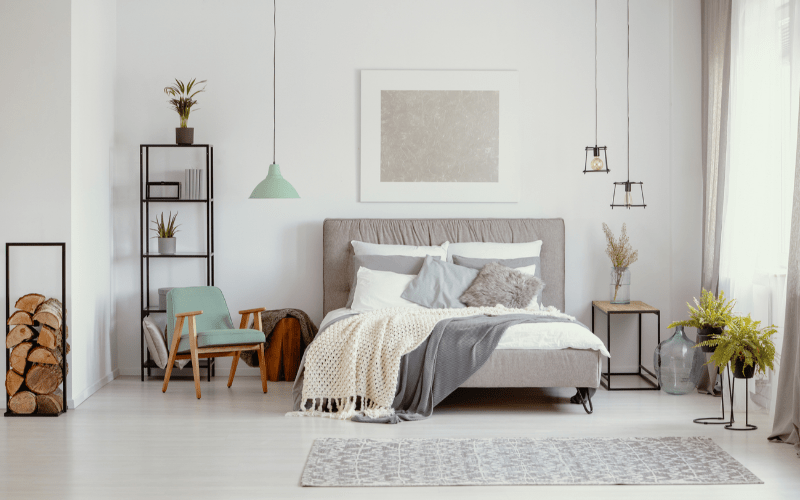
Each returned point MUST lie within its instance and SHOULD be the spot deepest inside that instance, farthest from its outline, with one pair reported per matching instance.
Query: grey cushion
(475, 263)
(498, 284)
(440, 284)
(400, 264)
(157, 344)
(337, 252)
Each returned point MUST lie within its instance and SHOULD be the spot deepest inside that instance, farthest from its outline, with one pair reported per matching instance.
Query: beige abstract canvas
(440, 135)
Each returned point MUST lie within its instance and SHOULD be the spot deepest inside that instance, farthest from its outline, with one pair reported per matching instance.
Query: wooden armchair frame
(196, 353)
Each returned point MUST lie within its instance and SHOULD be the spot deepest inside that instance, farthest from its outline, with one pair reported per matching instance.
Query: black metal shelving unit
(63, 247)
(146, 254)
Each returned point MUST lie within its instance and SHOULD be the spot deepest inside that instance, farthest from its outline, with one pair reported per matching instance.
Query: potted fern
(165, 231)
(745, 345)
(710, 317)
(182, 101)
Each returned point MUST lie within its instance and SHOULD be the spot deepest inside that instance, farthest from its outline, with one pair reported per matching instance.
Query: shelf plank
(178, 255)
(176, 145)
(176, 201)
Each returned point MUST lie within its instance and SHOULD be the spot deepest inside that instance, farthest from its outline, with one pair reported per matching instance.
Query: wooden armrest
(256, 310)
(193, 313)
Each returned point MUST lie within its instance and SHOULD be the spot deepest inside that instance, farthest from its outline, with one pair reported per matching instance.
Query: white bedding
(546, 336)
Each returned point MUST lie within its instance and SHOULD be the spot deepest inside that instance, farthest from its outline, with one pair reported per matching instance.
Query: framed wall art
(440, 136)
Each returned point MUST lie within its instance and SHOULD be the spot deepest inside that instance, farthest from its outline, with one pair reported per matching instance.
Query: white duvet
(546, 336)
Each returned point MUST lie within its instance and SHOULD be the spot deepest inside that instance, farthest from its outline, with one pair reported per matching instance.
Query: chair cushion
(219, 338)
(208, 299)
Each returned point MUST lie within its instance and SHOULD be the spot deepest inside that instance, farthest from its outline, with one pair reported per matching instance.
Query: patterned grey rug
(507, 461)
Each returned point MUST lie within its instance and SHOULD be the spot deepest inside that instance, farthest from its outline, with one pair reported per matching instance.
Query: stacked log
(36, 340)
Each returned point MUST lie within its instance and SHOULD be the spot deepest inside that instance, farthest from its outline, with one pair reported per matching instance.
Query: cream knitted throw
(360, 357)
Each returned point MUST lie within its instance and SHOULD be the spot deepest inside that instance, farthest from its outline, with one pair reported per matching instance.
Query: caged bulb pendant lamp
(628, 201)
(274, 186)
(597, 164)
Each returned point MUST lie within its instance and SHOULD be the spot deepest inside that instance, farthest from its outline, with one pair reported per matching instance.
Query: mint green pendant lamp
(274, 186)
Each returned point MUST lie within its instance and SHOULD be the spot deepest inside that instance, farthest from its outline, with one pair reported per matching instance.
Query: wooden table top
(636, 306)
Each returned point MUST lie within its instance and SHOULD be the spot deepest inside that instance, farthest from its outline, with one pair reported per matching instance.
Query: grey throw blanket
(308, 330)
(455, 349)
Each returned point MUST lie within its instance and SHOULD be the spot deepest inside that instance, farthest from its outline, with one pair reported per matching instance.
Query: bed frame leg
(579, 398)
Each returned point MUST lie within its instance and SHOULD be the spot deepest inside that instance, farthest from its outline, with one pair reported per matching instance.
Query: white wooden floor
(131, 441)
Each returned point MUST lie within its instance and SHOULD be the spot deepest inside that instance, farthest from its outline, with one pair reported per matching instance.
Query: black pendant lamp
(596, 164)
(630, 200)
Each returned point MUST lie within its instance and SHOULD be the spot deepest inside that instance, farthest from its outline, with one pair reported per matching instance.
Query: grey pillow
(400, 264)
(497, 284)
(476, 263)
(439, 284)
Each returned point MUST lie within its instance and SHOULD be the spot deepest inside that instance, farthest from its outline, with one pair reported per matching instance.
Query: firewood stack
(36, 359)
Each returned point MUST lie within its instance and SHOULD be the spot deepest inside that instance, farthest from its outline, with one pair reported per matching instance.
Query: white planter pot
(166, 246)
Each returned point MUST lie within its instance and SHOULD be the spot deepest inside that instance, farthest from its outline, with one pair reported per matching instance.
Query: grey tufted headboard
(337, 252)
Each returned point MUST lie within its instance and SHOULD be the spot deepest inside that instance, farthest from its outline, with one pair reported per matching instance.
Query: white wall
(35, 141)
(93, 52)
(269, 252)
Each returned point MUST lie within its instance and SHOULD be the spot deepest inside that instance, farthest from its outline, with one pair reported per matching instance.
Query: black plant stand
(147, 363)
(63, 246)
(719, 420)
(747, 425)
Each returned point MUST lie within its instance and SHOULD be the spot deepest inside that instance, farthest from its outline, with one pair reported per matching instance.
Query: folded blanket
(308, 330)
(352, 367)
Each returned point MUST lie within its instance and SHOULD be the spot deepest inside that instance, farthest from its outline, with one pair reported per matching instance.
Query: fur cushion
(498, 284)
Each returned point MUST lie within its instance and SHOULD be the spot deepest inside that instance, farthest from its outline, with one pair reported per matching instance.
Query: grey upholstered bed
(505, 368)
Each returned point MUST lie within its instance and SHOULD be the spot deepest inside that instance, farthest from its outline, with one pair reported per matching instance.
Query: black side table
(635, 307)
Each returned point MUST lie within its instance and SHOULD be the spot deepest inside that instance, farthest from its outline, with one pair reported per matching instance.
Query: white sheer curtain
(762, 140)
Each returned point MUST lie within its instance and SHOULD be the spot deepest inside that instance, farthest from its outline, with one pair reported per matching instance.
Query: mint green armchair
(203, 329)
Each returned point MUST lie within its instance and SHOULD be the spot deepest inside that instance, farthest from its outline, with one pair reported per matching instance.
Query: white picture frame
(506, 159)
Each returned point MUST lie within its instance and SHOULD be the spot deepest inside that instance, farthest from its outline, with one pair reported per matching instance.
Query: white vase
(166, 246)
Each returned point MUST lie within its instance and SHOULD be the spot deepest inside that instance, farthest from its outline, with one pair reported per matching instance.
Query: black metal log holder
(719, 420)
(63, 246)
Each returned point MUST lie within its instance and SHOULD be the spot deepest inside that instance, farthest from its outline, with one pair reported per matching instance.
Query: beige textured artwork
(440, 135)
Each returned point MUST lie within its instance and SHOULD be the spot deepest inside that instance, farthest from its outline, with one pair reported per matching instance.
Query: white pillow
(380, 289)
(362, 248)
(157, 345)
(480, 250)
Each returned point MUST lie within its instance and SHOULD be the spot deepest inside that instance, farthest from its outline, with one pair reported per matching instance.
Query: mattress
(542, 336)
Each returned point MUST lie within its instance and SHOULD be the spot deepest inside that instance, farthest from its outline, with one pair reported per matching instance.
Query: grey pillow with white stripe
(400, 264)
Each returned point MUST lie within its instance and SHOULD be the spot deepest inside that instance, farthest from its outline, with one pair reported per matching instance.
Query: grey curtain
(786, 426)
(716, 50)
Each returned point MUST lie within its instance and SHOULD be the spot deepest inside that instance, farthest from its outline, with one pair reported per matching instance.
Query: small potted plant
(166, 233)
(182, 102)
(622, 255)
(710, 317)
(745, 345)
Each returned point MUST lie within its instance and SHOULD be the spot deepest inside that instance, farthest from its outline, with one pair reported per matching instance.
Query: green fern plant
(165, 229)
(746, 341)
(711, 312)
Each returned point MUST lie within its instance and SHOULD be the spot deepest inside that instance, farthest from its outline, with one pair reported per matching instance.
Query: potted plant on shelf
(166, 233)
(182, 102)
(710, 317)
(745, 345)
(622, 255)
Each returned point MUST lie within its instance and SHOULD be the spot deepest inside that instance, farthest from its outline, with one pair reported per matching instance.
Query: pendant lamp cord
(274, 40)
(628, 91)
(595, 72)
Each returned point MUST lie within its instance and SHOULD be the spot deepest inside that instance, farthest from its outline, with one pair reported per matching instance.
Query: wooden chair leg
(195, 359)
(173, 352)
(262, 365)
(234, 363)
